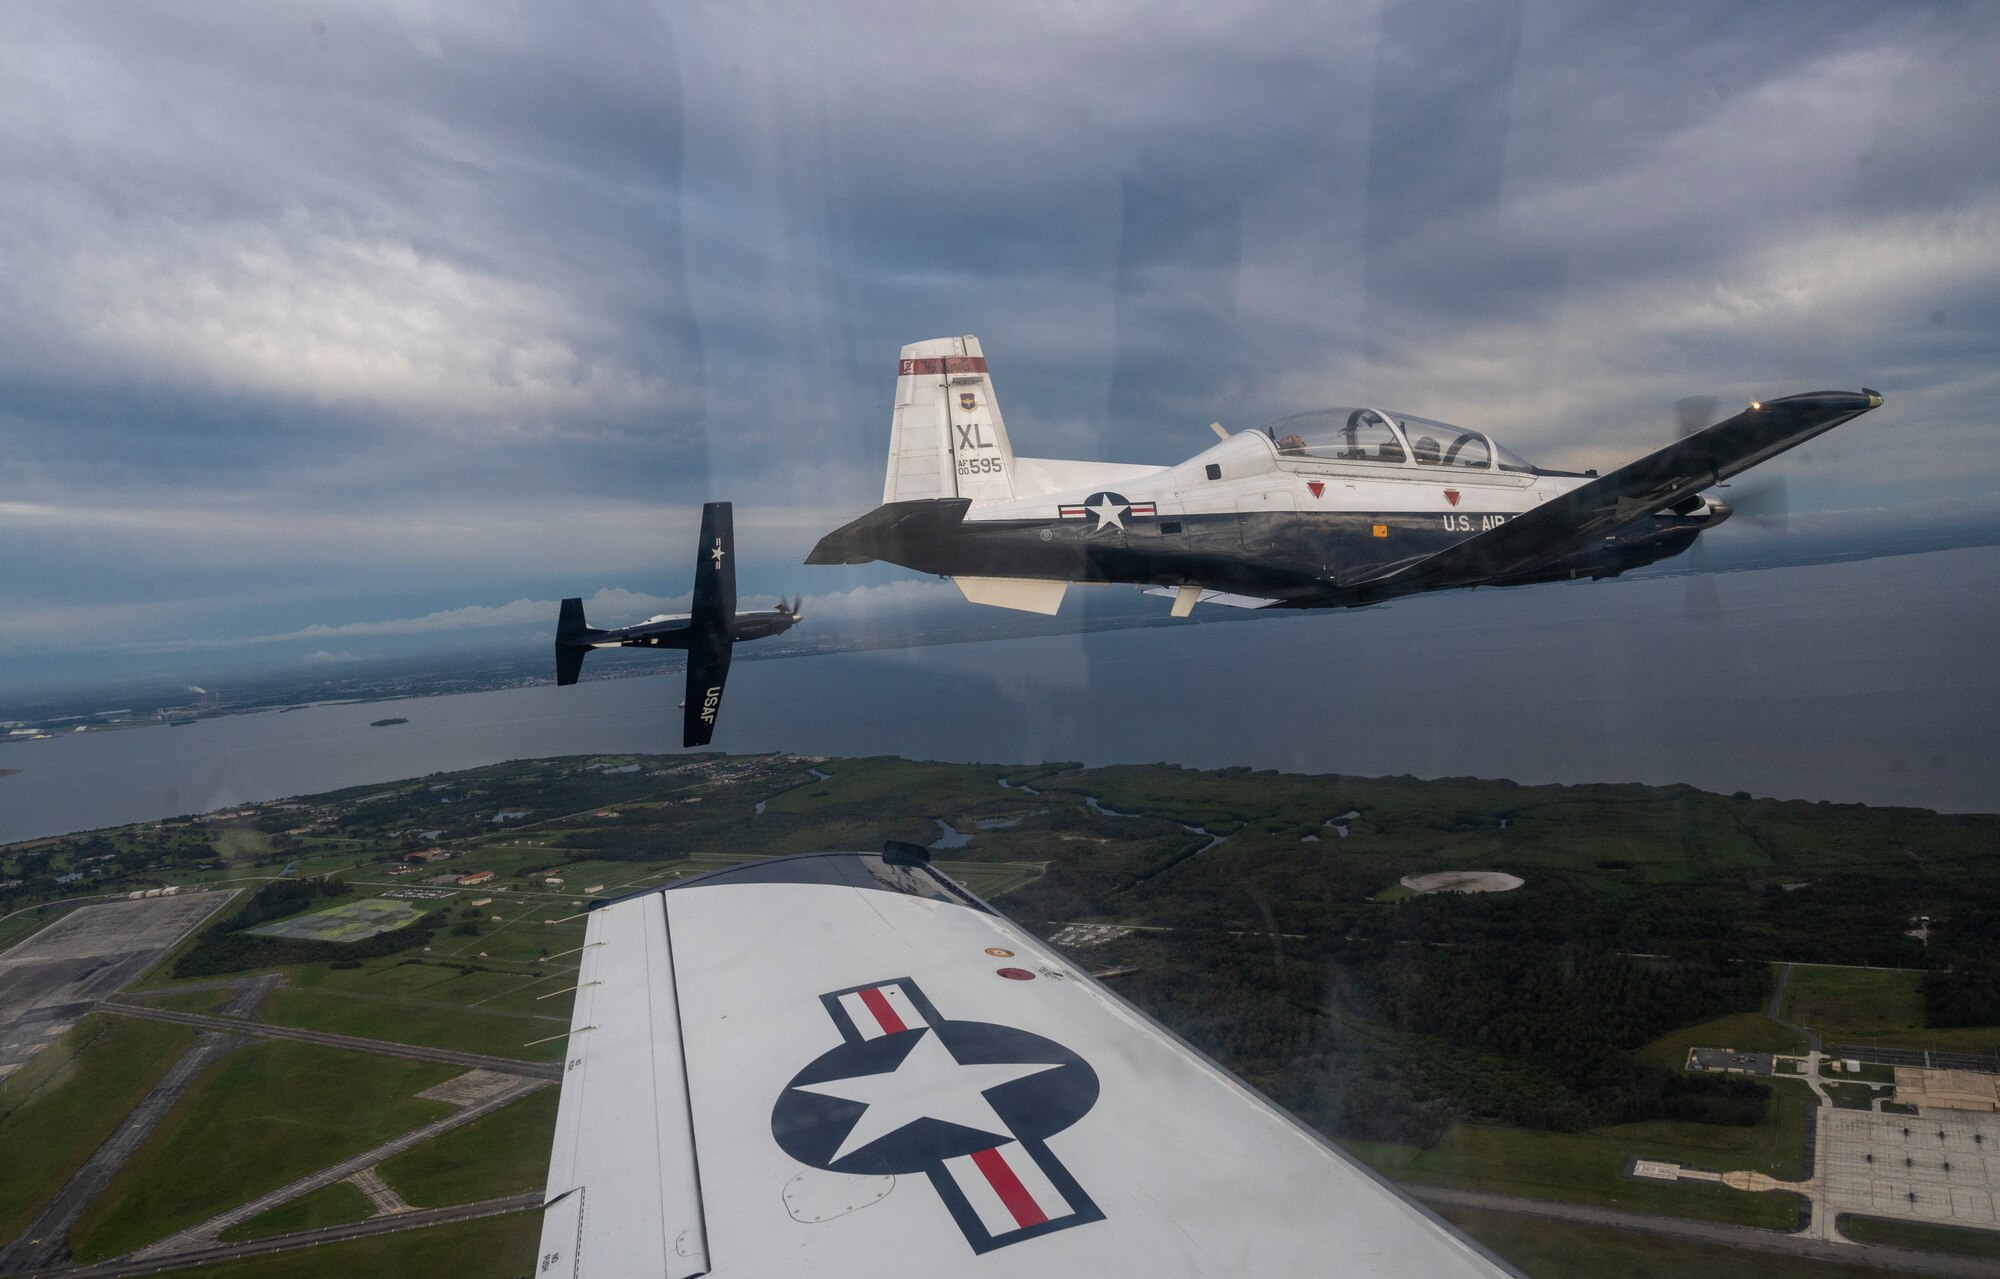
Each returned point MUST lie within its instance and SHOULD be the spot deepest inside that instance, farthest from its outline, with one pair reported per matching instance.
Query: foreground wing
(842, 1065)
(1587, 513)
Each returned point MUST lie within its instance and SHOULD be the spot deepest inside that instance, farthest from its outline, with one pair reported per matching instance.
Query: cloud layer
(402, 310)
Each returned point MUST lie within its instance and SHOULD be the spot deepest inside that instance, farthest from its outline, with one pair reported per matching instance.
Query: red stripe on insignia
(884, 1014)
(1012, 1193)
(945, 364)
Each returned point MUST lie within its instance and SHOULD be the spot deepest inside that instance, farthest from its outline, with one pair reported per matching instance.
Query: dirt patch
(1463, 881)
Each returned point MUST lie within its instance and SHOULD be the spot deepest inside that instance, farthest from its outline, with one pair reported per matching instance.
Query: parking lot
(1939, 1167)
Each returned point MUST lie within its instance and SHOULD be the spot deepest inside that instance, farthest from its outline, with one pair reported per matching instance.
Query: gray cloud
(437, 306)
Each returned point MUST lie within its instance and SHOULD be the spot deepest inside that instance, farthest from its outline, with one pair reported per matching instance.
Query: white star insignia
(717, 553)
(929, 1083)
(1109, 514)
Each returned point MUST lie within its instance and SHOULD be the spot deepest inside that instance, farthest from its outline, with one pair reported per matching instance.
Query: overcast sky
(408, 318)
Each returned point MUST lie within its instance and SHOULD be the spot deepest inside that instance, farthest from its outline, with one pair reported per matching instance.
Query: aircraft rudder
(946, 437)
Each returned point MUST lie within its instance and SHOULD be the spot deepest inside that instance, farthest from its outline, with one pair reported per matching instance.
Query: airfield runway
(52, 978)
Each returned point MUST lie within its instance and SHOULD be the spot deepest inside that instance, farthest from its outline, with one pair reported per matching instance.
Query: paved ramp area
(1938, 1166)
(49, 980)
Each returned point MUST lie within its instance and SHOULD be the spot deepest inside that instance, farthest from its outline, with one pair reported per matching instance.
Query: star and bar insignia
(1110, 510)
(968, 1104)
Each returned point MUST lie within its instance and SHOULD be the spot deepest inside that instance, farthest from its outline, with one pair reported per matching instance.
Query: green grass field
(1744, 1032)
(1590, 1167)
(69, 1097)
(1854, 1003)
(437, 1027)
(491, 1248)
(350, 921)
(1917, 1234)
(1854, 1096)
(1546, 1249)
(267, 1114)
(1879, 1007)
(442, 982)
(334, 1205)
(240, 843)
(191, 1001)
(499, 1154)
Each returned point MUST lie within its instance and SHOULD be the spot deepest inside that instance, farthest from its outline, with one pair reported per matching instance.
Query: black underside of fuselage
(1303, 559)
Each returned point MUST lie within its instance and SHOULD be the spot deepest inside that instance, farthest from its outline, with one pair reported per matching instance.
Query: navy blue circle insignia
(971, 1105)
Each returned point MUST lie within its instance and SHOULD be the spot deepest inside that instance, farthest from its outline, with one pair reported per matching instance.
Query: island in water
(384, 723)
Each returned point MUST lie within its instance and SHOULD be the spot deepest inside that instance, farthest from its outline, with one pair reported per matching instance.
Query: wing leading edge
(842, 1064)
(1590, 511)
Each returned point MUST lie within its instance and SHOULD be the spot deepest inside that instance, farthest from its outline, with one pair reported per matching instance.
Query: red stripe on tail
(944, 364)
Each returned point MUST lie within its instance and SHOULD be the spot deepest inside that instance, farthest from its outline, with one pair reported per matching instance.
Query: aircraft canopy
(1387, 438)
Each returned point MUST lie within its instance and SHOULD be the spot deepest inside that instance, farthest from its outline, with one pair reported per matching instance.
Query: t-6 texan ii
(706, 632)
(1327, 509)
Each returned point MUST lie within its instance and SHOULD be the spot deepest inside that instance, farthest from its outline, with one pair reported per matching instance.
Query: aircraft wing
(1575, 520)
(707, 672)
(841, 1064)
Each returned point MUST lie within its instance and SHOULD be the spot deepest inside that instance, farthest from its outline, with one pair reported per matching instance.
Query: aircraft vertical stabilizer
(947, 438)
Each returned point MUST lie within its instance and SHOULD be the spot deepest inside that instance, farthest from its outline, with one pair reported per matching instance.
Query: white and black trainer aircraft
(706, 632)
(1333, 508)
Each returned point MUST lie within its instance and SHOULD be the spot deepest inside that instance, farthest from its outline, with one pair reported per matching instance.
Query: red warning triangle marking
(1317, 487)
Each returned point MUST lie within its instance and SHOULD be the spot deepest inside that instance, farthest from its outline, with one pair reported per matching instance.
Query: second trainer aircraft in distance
(707, 632)
(1326, 509)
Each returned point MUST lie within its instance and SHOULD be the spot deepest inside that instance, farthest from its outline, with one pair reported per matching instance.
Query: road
(326, 1039)
(303, 1239)
(1906, 1260)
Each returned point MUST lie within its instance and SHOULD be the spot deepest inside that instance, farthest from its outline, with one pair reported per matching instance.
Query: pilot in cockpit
(1292, 444)
(1426, 450)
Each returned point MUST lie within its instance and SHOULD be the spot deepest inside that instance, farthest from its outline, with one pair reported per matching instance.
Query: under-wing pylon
(707, 632)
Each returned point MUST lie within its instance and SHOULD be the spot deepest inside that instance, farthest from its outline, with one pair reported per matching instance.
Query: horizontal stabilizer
(573, 639)
(1027, 594)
